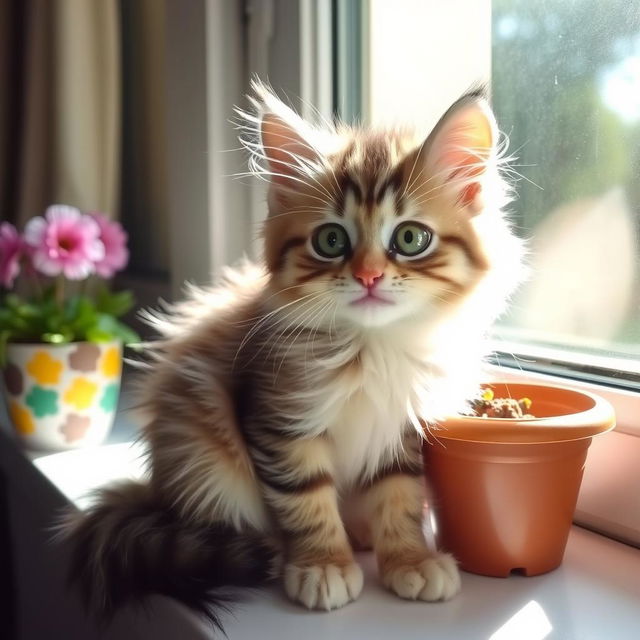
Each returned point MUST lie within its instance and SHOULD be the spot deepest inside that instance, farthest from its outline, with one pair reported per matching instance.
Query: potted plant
(61, 347)
(505, 489)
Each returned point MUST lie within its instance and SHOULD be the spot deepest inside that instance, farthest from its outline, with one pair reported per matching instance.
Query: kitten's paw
(324, 586)
(436, 578)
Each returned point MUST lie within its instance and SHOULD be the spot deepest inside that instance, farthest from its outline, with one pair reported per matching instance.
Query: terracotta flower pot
(62, 396)
(505, 490)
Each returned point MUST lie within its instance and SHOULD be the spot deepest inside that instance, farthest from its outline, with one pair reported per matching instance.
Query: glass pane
(566, 90)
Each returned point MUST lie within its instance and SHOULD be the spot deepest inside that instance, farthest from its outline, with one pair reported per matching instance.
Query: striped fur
(139, 546)
(276, 408)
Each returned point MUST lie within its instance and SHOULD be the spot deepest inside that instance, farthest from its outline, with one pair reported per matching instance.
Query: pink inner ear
(469, 193)
(460, 151)
(465, 141)
(282, 144)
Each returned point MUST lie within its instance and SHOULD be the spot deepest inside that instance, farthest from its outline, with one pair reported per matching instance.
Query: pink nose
(368, 277)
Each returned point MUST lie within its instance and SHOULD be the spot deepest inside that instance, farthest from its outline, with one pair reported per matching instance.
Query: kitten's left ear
(461, 149)
(292, 147)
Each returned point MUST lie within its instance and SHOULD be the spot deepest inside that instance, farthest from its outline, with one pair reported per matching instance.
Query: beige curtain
(60, 112)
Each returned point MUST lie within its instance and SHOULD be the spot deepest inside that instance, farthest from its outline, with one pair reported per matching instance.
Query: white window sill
(594, 594)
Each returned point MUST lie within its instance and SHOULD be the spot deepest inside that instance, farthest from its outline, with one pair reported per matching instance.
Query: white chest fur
(365, 391)
(372, 394)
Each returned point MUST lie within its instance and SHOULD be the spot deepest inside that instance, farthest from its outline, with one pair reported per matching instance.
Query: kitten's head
(371, 228)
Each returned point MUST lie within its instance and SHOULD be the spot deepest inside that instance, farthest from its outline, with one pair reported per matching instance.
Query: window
(565, 81)
(566, 90)
(565, 84)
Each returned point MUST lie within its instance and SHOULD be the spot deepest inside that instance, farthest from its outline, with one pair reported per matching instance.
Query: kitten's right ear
(462, 147)
(288, 143)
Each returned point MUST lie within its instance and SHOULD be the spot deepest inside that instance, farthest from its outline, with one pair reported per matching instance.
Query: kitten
(282, 408)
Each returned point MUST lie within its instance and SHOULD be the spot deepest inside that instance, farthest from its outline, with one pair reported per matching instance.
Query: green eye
(411, 239)
(330, 241)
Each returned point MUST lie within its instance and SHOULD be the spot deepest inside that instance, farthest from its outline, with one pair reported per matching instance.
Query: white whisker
(264, 319)
(302, 326)
(298, 319)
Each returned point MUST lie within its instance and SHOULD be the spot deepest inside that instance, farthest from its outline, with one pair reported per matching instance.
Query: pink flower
(114, 239)
(11, 248)
(64, 241)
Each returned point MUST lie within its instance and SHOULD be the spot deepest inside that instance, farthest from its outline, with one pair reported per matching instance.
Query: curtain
(60, 113)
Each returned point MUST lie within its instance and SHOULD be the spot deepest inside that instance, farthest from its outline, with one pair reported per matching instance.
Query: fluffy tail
(129, 545)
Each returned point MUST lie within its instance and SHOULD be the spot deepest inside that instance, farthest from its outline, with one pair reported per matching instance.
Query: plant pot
(62, 396)
(505, 491)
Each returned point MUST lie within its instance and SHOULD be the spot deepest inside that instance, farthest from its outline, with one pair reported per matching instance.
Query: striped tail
(128, 545)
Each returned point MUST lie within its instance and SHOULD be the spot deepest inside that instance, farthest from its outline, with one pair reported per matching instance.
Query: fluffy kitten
(281, 411)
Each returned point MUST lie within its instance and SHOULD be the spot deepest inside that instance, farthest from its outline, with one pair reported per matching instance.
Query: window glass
(566, 91)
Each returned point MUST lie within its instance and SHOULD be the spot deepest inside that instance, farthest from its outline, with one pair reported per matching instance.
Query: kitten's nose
(368, 276)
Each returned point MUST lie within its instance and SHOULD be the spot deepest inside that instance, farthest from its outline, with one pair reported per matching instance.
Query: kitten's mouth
(371, 299)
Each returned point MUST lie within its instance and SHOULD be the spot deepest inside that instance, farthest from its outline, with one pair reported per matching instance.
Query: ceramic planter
(505, 490)
(62, 396)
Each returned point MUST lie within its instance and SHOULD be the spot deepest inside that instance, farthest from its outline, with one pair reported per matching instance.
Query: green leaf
(107, 322)
(5, 318)
(49, 294)
(57, 338)
(53, 321)
(98, 335)
(109, 325)
(19, 324)
(127, 334)
(5, 336)
(79, 319)
(12, 301)
(28, 311)
(71, 307)
(115, 304)
(82, 315)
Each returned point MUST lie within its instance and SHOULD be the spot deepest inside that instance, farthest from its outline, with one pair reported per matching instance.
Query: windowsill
(592, 595)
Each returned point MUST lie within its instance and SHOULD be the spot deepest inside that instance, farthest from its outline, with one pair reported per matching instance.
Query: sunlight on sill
(530, 623)
(79, 472)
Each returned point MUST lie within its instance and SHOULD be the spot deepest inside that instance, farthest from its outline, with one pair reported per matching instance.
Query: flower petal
(95, 251)
(114, 238)
(35, 230)
(78, 270)
(11, 250)
(46, 266)
(60, 212)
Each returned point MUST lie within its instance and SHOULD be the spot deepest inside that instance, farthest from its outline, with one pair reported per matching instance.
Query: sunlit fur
(276, 406)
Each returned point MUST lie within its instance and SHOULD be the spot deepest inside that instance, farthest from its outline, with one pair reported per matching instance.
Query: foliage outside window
(566, 90)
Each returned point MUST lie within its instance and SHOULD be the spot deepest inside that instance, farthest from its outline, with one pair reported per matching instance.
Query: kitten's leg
(320, 571)
(395, 499)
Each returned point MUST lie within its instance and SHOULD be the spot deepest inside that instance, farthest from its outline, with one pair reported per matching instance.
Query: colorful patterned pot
(62, 396)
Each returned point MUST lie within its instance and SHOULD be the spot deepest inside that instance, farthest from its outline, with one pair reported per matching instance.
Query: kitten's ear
(288, 143)
(461, 148)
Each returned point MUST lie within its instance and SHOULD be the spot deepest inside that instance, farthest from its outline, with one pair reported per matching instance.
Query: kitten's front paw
(323, 586)
(436, 578)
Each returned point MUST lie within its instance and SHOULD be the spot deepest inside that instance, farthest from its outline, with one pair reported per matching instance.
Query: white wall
(408, 83)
